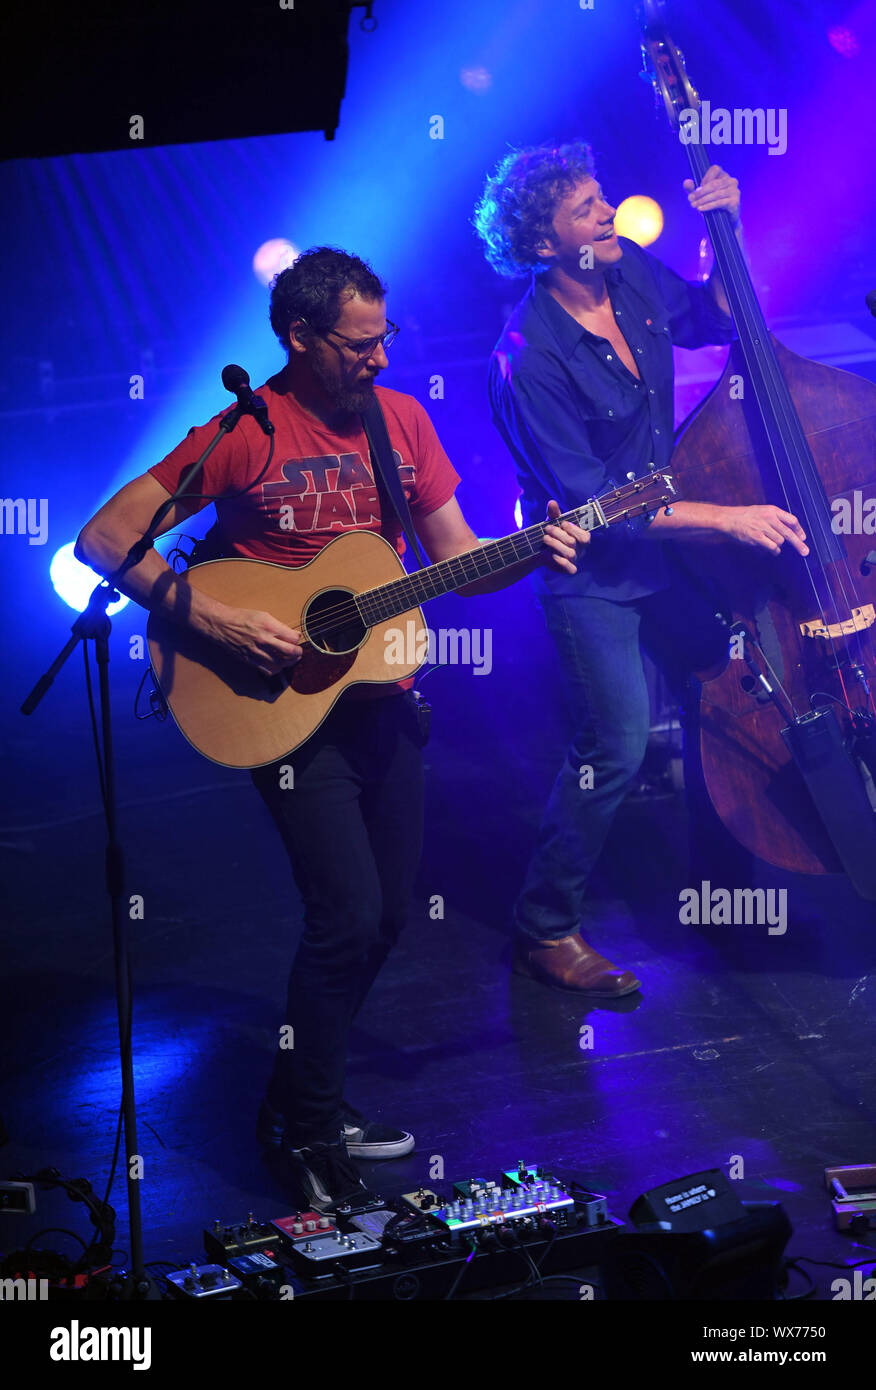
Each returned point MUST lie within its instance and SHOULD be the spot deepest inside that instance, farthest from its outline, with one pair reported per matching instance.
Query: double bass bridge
(861, 618)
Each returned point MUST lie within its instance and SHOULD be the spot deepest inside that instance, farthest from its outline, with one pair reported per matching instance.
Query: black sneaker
(365, 1139)
(328, 1177)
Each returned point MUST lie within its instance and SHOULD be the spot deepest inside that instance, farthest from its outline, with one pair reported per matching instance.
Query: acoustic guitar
(352, 603)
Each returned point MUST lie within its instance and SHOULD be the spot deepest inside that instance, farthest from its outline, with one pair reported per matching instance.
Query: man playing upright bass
(581, 388)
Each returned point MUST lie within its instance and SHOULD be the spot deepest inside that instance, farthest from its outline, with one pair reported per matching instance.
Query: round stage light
(640, 219)
(844, 41)
(74, 581)
(476, 79)
(272, 257)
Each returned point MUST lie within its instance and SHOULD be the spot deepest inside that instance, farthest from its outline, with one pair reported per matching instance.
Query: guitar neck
(401, 595)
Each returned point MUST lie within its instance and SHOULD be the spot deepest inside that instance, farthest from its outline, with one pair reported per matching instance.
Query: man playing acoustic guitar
(351, 813)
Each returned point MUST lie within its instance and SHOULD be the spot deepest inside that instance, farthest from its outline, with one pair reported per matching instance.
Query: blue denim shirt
(576, 420)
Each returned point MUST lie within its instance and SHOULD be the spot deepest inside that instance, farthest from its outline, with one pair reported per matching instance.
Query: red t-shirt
(320, 483)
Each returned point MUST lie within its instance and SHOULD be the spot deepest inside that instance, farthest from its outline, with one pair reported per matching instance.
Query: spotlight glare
(518, 515)
(272, 257)
(73, 581)
(640, 219)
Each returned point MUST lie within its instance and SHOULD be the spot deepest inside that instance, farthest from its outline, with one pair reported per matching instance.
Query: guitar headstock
(639, 497)
(663, 65)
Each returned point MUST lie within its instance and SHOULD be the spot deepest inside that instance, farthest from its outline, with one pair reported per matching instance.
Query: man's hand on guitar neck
(445, 533)
(561, 541)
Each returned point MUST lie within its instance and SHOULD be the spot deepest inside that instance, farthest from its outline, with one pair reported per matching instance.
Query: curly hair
(314, 287)
(516, 212)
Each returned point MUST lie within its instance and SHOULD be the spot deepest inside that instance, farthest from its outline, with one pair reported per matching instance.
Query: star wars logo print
(329, 490)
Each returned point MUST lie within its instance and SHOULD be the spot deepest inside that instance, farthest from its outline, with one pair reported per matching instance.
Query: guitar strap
(389, 487)
(388, 482)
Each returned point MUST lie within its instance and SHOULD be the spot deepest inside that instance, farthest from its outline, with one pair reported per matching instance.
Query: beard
(352, 400)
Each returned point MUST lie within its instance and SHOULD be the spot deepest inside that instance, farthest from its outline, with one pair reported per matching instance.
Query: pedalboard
(425, 1244)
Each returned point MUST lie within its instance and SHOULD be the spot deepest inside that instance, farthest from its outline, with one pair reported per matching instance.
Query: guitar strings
(349, 610)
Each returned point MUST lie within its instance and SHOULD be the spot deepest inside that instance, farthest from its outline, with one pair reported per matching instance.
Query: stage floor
(745, 1051)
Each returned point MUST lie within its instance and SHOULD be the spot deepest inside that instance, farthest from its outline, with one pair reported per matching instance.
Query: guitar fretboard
(400, 595)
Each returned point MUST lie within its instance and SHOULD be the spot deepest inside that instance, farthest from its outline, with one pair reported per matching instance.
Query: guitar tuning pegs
(631, 477)
(667, 511)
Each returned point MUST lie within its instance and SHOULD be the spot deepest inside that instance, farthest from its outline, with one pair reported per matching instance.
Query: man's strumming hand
(256, 638)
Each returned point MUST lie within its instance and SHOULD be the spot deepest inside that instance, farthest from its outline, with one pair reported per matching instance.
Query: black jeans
(352, 826)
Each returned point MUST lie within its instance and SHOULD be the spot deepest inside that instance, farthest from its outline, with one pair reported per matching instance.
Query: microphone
(870, 301)
(236, 380)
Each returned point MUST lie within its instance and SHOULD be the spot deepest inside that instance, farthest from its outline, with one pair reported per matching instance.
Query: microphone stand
(93, 623)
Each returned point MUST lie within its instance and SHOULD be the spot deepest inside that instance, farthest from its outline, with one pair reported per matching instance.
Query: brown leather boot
(569, 963)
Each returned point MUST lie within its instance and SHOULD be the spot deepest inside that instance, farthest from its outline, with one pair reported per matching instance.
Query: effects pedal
(424, 1199)
(525, 1198)
(408, 1226)
(202, 1281)
(591, 1208)
(318, 1253)
(303, 1225)
(260, 1273)
(221, 1241)
(360, 1206)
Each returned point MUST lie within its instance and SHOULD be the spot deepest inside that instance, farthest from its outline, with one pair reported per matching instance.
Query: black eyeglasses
(363, 347)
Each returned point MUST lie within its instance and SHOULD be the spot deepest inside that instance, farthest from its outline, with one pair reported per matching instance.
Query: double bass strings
(765, 372)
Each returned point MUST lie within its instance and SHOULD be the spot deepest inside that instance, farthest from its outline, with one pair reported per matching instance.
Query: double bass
(785, 731)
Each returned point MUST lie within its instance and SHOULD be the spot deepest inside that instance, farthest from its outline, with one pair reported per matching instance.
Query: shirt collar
(567, 331)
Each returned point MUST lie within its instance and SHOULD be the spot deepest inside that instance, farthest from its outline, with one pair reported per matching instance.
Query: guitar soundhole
(332, 622)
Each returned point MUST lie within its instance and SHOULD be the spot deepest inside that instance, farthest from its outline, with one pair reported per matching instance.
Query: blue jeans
(599, 643)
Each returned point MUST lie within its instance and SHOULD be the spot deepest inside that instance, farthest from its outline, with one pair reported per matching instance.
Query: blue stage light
(74, 581)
